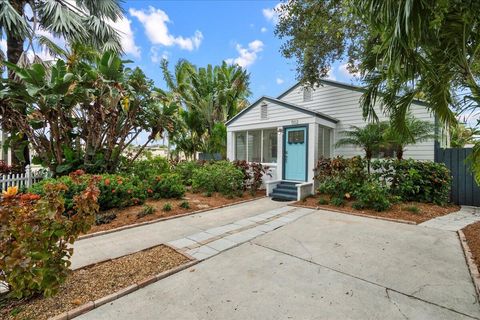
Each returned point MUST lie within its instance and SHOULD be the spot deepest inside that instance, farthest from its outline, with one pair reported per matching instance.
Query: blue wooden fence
(465, 190)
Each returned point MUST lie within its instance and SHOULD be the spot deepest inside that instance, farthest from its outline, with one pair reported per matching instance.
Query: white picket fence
(22, 179)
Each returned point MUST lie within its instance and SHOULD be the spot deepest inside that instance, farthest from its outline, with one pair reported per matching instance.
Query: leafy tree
(209, 97)
(79, 21)
(407, 50)
(418, 131)
(460, 135)
(83, 114)
(370, 138)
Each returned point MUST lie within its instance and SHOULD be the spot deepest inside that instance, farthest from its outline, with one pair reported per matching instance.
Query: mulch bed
(197, 201)
(472, 234)
(94, 282)
(398, 211)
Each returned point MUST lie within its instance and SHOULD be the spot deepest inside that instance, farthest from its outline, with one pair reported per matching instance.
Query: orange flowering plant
(36, 237)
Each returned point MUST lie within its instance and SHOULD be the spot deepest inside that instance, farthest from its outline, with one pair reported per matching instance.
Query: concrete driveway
(323, 266)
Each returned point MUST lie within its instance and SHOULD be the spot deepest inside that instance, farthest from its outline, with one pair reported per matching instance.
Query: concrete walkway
(324, 265)
(456, 220)
(113, 245)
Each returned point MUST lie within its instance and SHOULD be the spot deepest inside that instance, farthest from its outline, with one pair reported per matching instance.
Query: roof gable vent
(307, 94)
(264, 111)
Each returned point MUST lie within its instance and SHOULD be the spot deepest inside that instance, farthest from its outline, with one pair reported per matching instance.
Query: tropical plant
(83, 114)
(210, 96)
(370, 138)
(36, 237)
(417, 131)
(405, 50)
(220, 176)
(168, 185)
(25, 23)
(460, 135)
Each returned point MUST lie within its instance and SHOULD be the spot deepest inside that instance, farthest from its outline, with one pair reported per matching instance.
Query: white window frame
(246, 144)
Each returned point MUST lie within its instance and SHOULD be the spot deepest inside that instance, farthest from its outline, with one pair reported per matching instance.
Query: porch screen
(241, 146)
(256, 145)
(324, 142)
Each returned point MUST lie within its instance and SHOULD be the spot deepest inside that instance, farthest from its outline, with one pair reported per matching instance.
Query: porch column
(312, 149)
(279, 153)
(230, 146)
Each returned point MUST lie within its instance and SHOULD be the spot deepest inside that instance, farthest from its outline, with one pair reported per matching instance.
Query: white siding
(275, 113)
(343, 104)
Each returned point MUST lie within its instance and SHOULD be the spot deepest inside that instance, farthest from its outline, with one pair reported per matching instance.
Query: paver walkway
(116, 244)
(456, 220)
(212, 241)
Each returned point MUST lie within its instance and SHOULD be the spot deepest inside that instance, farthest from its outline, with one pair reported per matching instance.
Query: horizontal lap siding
(274, 113)
(343, 104)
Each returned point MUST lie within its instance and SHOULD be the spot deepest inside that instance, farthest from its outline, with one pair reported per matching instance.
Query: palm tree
(209, 96)
(460, 135)
(81, 21)
(417, 131)
(370, 138)
(427, 47)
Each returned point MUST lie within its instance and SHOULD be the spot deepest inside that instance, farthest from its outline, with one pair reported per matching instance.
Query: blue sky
(208, 32)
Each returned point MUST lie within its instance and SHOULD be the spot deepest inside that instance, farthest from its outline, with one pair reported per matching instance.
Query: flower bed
(196, 202)
(83, 285)
(416, 212)
(472, 235)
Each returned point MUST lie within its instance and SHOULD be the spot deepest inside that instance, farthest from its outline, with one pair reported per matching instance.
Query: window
(256, 145)
(269, 146)
(324, 142)
(264, 112)
(307, 94)
(241, 146)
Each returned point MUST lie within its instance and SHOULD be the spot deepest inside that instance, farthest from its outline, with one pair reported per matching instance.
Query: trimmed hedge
(221, 176)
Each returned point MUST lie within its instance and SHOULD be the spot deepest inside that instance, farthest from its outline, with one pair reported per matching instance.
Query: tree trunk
(14, 51)
(399, 152)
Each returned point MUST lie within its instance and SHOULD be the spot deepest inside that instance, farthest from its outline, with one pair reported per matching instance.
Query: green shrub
(253, 173)
(372, 195)
(147, 169)
(336, 201)
(116, 191)
(105, 218)
(36, 237)
(146, 210)
(221, 176)
(185, 170)
(167, 207)
(340, 177)
(411, 180)
(412, 209)
(167, 186)
(185, 205)
(322, 201)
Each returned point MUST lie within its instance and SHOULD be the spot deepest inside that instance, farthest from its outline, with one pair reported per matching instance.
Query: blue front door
(295, 153)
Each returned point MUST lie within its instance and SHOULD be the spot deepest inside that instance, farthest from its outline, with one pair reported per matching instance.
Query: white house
(291, 132)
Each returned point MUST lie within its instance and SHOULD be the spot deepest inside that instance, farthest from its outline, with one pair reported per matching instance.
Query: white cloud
(330, 75)
(271, 14)
(344, 71)
(263, 30)
(247, 56)
(279, 80)
(124, 28)
(155, 23)
(155, 55)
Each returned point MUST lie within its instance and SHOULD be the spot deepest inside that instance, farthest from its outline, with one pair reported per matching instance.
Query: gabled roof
(340, 85)
(283, 104)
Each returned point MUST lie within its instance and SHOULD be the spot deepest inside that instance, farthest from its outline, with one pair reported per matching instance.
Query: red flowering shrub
(35, 236)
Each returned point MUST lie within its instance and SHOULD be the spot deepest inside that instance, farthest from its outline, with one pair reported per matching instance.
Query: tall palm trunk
(14, 51)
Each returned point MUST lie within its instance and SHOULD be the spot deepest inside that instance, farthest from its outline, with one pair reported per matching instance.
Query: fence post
(28, 175)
